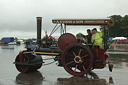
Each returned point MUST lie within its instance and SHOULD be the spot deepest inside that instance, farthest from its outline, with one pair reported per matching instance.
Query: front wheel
(23, 59)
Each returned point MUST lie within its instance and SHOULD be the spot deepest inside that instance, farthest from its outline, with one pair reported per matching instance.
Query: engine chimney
(39, 21)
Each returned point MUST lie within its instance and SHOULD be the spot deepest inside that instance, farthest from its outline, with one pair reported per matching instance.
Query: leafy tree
(16, 39)
(120, 28)
(79, 35)
(33, 38)
(114, 31)
(124, 25)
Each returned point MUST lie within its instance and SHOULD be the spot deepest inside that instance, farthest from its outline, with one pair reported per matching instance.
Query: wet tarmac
(54, 75)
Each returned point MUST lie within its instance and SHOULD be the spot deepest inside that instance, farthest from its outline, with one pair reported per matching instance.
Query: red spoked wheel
(23, 59)
(77, 59)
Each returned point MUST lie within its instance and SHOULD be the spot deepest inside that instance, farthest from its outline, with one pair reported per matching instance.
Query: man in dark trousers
(88, 37)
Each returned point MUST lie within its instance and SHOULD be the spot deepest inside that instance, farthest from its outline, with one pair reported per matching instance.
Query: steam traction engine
(77, 58)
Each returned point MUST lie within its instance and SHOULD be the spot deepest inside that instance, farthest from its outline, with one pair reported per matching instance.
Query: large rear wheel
(77, 59)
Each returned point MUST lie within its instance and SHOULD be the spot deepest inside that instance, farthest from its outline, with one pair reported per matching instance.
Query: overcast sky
(18, 17)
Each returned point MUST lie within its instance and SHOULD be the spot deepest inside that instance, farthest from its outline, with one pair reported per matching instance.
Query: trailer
(7, 40)
(76, 58)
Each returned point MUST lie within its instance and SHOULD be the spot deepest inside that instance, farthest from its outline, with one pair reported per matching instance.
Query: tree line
(120, 28)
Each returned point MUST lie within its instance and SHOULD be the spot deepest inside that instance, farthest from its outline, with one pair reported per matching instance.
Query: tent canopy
(119, 38)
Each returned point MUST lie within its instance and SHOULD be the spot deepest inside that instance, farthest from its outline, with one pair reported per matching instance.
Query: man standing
(96, 39)
(89, 36)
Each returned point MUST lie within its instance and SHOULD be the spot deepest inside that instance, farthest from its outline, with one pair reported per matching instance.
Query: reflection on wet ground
(81, 81)
(53, 75)
(36, 78)
(119, 60)
(119, 47)
(90, 79)
(7, 47)
(33, 78)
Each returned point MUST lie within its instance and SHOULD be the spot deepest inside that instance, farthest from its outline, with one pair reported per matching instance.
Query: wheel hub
(77, 59)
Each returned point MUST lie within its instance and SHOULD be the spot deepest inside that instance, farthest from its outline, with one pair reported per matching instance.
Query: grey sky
(18, 17)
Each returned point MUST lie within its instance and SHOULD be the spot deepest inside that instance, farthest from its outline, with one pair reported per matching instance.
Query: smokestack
(39, 21)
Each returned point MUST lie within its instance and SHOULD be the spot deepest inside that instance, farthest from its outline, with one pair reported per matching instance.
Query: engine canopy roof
(84, 21)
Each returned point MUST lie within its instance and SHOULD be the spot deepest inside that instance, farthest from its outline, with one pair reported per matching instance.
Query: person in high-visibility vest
(97, 38)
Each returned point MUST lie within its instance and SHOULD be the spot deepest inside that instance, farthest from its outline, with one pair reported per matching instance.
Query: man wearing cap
(96, 38)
